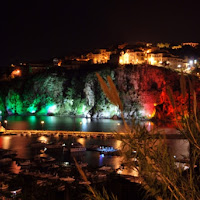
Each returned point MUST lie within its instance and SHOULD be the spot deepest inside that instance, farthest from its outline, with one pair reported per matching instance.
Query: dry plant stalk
(93, 193)
(157, 168)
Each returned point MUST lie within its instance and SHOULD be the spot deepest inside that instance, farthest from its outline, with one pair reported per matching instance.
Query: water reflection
(21, 144)
(179, 148)
(63, 123)
(6, 142)
(18, 144)
(43, 139)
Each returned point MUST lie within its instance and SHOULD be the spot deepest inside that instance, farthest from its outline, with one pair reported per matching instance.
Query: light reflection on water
(62, 123)
(21, 144)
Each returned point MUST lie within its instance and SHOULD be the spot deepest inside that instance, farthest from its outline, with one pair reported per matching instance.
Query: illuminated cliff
(142, 89)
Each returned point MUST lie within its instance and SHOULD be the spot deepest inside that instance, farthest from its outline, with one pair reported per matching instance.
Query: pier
(58, 133)
(77, 133)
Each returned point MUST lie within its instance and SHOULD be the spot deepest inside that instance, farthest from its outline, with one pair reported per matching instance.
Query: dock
(76, 133)
(58, 133)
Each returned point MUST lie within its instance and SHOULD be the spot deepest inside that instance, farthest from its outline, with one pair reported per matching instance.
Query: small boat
(61, 188)
(25, 163)
(68, 179)
(105, 168)
(84, 182)
(37, 145)
(3, 186)
(102, 176)
(106, 149)
(15, 192)
(81, 164)
(9, 153)
(5, 161)
(77, 147)
(48, 159)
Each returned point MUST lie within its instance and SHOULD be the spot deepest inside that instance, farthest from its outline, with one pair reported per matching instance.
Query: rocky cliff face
(142, 88)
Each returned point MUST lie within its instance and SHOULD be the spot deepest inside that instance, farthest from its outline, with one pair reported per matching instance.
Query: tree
(14, 103)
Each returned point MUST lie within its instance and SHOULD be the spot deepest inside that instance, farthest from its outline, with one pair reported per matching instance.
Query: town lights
(151, 61)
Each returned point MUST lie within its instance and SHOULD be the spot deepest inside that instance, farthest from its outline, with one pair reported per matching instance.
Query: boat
(9, 153)
(81, 164)
(77, 147)
(3, 186)
(102, 148)
(16, 192)
(37, 145)
(48, 159)
(105, 168)
(68, 179)
(25, 163)
(84, 182)
(55, 147)
(106, 149)
(5, 161)
(61, 188)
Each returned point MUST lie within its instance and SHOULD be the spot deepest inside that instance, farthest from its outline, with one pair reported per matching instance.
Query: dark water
(21, 144)
(61, 123)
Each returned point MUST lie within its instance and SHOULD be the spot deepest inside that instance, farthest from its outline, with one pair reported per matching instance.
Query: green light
(32, 109)
(43, 111)
(51, 108)
(81, 109)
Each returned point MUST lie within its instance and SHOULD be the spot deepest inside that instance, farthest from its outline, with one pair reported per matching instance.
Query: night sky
(45, 29)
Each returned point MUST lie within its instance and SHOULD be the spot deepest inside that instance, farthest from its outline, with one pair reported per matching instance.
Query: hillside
(58, 91)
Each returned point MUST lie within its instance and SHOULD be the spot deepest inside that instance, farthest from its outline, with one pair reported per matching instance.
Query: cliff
(59, 91)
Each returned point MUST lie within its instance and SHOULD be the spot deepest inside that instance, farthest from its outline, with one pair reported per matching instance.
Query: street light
(42, 122)
(80, 127)
(5, 122)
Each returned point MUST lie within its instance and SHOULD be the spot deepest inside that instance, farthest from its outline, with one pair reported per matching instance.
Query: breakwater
(78, 133)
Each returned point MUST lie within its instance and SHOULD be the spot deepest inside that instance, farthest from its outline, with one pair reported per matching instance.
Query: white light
(179, 66)
(195, 61)
(191, 62)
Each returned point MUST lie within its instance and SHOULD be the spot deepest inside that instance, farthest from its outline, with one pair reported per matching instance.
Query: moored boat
(77, 147)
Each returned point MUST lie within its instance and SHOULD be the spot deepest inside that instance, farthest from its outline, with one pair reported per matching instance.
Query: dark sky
(44, 29)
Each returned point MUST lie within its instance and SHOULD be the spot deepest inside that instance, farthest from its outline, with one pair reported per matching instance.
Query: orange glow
(15, 73)
(124, 59)
(59, 63)
(149, 50)
(153, 113)
(152, 61)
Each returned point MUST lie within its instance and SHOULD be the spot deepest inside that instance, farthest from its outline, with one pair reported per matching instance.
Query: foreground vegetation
(159, 175)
